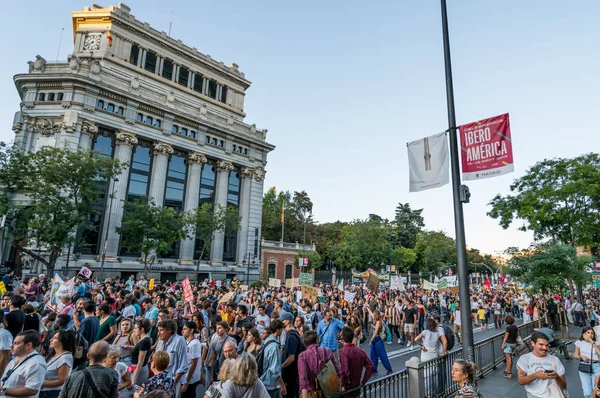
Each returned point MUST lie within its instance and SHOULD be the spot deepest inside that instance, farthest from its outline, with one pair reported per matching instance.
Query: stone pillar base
(185, 261)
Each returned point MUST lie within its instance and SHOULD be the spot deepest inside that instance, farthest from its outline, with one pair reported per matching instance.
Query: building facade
(174, 115)
(279, 259)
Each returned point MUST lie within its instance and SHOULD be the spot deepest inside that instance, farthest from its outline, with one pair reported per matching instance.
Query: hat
(286, 316)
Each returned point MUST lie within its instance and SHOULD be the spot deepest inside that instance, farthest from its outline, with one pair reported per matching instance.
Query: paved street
(399, 353)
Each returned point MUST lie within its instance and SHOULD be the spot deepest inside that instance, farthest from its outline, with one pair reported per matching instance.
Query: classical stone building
(171, 113)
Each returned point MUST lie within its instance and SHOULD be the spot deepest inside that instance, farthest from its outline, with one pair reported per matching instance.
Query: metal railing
(488, 355)
(392, 386)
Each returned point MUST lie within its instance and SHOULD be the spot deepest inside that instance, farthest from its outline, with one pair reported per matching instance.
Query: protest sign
(188, 294)
(2, 287)
(274, 282)
(310, 293)
(85, 272)
(56, 282)
(244, 288)
(373, 282)
(151, 284)
(227, 297)
(349, 296)
(305, 278)
(218, 283)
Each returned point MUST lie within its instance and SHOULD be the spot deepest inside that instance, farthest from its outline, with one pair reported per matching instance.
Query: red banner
(188, 294)
(486, 148)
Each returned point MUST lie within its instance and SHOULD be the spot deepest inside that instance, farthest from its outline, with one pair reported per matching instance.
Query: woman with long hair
(140, 353)
(253, 342)
(587, 351)
(125, 340)
(393, 319)
(108, 323)
(298, 325)
(464, 373)
(244, 381)
(377, 348)
(429, 350)
(358, 331)
(60, 364)
(509, 343)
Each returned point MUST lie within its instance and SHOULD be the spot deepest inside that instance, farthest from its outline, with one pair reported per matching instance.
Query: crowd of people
(117, 338)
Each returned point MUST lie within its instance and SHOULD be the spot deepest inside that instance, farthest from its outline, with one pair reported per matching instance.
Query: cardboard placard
(227, 297)
(274, 282)
(373, 282)
(310, 293)
(244, 288)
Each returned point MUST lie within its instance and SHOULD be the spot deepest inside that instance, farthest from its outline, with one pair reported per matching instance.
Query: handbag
(328, 380)
(587, 367)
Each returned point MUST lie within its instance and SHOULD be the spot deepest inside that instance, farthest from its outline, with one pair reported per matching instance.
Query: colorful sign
(596, 279)
(151, 284)
(85, 272)
(56, 282)
(188, 293)
(383, 277)
(305, 278)
(486, 148)
(310, 293)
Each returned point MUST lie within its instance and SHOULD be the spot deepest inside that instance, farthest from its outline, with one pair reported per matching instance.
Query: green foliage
(59, 188)
(298, 207)
(434, 250)
(403, 258)
(549, 267)
(408, 225)
(150, 230)
(314, 260)
(557, 199)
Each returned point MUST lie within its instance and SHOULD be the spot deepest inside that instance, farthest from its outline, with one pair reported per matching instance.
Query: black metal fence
(392, 386)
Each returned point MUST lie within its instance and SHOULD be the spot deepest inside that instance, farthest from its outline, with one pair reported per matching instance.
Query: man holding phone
(542, 375)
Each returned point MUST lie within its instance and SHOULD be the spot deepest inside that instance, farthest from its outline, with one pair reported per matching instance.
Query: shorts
(473, 311)
(510, 348)
(409, 328)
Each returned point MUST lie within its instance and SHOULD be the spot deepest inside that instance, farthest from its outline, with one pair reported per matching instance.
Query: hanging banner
(428, 163)
(382, 277)
(429, 286)
(486, 148)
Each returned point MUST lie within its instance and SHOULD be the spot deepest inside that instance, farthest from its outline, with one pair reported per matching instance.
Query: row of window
(119, 110)
(239, 149)
(149, 120)
(151, 64)
(50, 97)
(214, 141)
(183, 131)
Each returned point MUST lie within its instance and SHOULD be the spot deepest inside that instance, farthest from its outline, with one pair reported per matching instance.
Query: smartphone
(548, 371)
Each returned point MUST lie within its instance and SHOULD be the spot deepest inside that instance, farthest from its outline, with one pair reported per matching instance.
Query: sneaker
(399, 341)
(409, 345)
(389, 342)
(391, 372)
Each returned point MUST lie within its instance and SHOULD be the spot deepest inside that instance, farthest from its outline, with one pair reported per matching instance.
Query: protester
(355, 366)
(162, 380)
(543, 375)
(107, 324)
(464, 374)
(15, 319)
(140, 354)
(124, 378)
(215, 389)
(271, 374)
(24, 375)
(309, 362)
(6, 340)
(377, 350)
(60, 365)
(244, 381)
(509, 343)
(587, 351)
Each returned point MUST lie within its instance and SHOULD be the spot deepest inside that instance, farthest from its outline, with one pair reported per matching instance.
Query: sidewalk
(494, 385)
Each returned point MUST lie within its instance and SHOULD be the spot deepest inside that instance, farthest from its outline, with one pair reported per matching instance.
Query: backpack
(449, 334)
(260, 357)
(301, 347)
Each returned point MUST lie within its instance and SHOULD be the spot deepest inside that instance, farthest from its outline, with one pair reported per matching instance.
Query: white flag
(428, 163)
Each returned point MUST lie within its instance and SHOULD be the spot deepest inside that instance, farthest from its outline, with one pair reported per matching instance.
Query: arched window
(110, 107)
(184, 131)
(149, 120)
(175, 129)
(272, 269)
(157, 123)
(100, 104)
(140, 117)
(207, 139)
(59, 96)
(120, 111)
(41, 97)
(50, 96)
(192, 134)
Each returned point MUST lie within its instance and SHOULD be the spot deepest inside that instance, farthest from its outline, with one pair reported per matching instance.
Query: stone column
(143, 63)
(160, 165)
(162, 64)
(223, 169)
(242, 238)
(88, 132)
(194, 161)
(190, 79)
(205, 85)
(175, 73)
(125, 142)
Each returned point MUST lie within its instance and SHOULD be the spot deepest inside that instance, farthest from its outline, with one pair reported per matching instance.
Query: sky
(343, 85)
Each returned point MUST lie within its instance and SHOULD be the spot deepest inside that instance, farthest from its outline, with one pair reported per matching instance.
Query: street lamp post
(246, 263)
(112, 196)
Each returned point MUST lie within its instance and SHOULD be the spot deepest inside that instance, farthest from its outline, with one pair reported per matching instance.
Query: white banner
(429, 286)
(428, 163)
(349, 296)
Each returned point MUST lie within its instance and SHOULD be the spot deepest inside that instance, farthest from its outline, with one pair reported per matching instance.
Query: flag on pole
(428, 163)
(487, 284)
(282, 211)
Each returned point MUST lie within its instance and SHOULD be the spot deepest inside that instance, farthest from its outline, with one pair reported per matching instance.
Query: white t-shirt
(194, 350)
(586, 349)
(6, 340)
(29, 374)
(541, 388)
(129, 312)
(262, 321)
(52, 368)
(457, 320)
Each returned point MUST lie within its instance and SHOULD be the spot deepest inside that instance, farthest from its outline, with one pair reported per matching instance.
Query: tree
(557, 199)
(403, 258)
(408, 224)
(150, 229)
(57, 190)
(435, 250)
(549, 267)
(297, 206)
(314, 260)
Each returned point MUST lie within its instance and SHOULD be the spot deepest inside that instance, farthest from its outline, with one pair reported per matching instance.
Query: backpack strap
(90, 381)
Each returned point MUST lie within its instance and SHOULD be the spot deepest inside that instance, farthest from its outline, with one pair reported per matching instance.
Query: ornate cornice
(126, 138)
(195, 158)
(46, 127)
(161, 148)
(223, 165)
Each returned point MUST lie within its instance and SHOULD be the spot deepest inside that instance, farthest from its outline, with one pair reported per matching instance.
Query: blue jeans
(587, 380)
(377, 353)
(276, 393)
(579, 317)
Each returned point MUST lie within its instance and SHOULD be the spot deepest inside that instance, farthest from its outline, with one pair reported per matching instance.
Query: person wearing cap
(291, 351)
